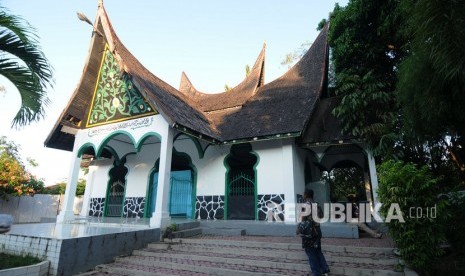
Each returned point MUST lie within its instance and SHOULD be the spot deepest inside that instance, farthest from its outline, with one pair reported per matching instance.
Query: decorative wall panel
(134, 207)
(209, 207)
(115, 97)
(270, 205)
(96, 206)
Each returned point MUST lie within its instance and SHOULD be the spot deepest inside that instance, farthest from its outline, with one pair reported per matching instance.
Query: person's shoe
(379, 235)
(326, 273)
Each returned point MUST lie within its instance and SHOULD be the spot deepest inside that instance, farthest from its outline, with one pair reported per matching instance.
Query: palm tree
(25, 65)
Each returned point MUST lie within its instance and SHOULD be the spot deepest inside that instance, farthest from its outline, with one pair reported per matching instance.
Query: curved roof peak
(234, 97)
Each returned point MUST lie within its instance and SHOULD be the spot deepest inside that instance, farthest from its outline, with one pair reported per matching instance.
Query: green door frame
(117, 162)
(147, 212)
(227, 182)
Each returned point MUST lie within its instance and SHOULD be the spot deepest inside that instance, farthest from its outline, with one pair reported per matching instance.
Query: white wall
(37, 208)
(280, 168)
(270, 177)
(210, 169)
(99, 182)
(299, 170)
(140, 166)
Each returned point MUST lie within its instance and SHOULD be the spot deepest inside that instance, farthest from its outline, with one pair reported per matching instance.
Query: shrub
(418, 238)
(11, 261)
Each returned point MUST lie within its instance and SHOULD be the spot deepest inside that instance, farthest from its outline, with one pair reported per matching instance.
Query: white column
(88, 191)
(161, 217)
(288, 180)
(373, 177)
(67, 212)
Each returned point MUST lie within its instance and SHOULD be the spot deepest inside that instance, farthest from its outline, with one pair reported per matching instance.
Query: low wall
(74, 255)
(40, 269)
(37, 208)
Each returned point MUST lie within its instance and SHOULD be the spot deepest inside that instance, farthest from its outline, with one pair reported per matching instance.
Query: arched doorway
(116, 190)
(182, 187)
(241, 188)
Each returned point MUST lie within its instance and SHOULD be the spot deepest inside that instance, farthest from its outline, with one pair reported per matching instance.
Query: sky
(212, 41)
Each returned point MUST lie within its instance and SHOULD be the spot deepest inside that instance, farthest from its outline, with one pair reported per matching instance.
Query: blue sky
(211, 40)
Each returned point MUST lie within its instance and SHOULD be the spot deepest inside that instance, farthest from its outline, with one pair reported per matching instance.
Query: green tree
(344, 181)
(431, 85)
(419, 237)
(25, 65)
(60, 188)
(14, 178)
(367, 45)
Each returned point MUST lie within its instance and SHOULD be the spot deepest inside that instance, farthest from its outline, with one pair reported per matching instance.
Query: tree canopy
(14, 178)
(399, 69)
(25, 65)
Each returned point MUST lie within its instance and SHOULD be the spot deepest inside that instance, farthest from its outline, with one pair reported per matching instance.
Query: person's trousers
(316, 260)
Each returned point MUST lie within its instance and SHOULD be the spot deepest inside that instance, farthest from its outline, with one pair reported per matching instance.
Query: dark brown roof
(284, 105)
(249, 110)
(236, 96)
(324, 127)
(175, 107)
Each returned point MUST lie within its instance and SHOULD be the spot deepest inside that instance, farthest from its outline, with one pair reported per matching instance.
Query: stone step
(374, 251)
(206, 267)
(227, 266)
(187, 225)
(294, 256)
(300, 264)
(214, 255)
(224, 231)
(138, 270)
(186, 233)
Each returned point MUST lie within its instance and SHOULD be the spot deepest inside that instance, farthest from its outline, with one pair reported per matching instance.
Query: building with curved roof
(156, 152)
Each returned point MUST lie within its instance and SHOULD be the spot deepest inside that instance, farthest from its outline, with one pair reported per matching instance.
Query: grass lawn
(10, 261)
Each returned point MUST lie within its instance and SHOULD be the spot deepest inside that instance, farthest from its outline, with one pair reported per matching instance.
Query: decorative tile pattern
(134, 207)
(209, 207)
(270, 205)
(96, 206)
(115, 97)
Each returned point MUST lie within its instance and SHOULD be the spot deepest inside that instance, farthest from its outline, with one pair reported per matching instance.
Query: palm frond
(25, 65)
(33, 97)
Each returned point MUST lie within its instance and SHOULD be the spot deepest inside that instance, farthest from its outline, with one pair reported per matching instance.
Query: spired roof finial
(100, 3)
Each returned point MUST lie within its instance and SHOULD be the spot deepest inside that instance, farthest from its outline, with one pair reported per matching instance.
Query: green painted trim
(148, 193)
(262, 138)
(194, 189)
(84, 148)
(156, 169)
(105, 208)
(205, 149)
(127, 154)
(110, 136)
(226, 194)
(147, 135)
(196, 142)
(256, 182)
(226, 185)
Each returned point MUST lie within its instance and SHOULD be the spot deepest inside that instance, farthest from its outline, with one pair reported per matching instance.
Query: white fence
(37, 208)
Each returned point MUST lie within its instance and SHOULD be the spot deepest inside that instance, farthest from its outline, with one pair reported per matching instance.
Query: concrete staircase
(214, 255)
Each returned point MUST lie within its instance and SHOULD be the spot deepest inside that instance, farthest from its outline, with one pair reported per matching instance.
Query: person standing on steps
(310, 232)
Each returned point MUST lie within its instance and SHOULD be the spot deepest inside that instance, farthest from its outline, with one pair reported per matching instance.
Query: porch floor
(80, 227)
